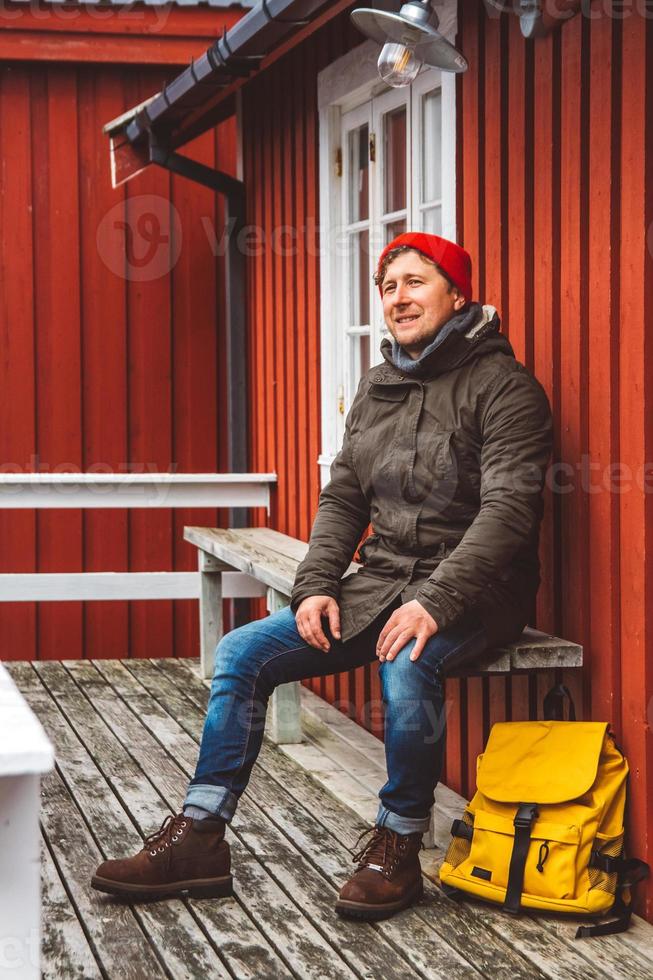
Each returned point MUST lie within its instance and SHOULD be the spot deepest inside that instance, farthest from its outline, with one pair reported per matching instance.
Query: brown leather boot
(388, 877)
(182, 855)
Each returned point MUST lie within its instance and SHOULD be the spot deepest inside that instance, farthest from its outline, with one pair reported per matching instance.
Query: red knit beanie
(451, 258)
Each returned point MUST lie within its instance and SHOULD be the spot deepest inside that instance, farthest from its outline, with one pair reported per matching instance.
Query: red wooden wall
(554, 202)
(97, 369)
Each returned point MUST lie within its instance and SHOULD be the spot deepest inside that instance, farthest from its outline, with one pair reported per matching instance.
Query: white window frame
(343, 85)
(354, 118)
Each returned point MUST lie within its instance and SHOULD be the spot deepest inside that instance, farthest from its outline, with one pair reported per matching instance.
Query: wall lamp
(537, 18)
(410, 40)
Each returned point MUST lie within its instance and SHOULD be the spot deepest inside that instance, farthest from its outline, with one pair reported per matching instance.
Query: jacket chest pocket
(401, 456)
(378, 444)
(395, 468)
(432, 476)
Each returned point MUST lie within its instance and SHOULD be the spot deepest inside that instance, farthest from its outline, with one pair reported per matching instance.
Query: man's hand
(309, 620)
(408, 621)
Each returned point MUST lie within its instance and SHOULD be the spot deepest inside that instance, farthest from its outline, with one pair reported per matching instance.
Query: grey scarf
(460, 322)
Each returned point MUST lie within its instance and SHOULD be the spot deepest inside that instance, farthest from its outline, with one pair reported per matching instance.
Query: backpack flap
(542, 761)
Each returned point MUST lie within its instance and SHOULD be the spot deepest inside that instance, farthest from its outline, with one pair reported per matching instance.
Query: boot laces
(381, 850)
(166, 836)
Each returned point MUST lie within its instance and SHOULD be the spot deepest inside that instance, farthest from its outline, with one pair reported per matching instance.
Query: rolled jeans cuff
(401, 825)
(217, 800)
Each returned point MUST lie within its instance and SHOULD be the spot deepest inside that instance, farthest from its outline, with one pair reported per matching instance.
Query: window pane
(431, 189)
(394, 228)
(359, 283)
(432, 220)
(358, 174)
(394, 156)
(359, 352)
(364, 354)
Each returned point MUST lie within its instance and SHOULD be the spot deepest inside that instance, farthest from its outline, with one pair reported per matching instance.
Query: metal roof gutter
(176, 112)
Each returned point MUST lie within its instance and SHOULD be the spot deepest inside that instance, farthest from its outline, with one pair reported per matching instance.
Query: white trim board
(128, 490)
(82, 586)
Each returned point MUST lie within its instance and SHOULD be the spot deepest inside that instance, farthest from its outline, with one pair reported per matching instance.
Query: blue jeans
(253, 659)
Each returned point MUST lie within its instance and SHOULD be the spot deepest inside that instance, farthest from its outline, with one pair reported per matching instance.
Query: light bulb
(397, 64)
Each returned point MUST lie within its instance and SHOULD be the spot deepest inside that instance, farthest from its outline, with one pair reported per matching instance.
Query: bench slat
(258, 555)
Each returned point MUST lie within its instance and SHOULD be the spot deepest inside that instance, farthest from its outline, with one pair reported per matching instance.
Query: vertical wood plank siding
(554, 202)
(99, 371)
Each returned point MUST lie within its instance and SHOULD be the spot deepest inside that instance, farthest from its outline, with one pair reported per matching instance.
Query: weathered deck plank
(65, 948)
(126, 737)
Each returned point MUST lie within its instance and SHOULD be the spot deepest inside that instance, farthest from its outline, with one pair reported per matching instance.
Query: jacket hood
(458, 345)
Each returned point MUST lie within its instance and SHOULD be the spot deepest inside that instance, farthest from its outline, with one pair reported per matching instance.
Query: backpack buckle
(526, 814)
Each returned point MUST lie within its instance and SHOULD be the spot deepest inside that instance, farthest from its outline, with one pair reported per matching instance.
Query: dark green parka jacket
(448, 467)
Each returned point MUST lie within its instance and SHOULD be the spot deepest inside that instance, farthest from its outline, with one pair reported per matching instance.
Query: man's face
(417, 301)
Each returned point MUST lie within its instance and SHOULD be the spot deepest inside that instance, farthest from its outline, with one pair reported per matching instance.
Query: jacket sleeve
(343, 514)
(517, 439)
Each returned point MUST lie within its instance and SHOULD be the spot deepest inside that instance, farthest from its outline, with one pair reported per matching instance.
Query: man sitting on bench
(444, 453)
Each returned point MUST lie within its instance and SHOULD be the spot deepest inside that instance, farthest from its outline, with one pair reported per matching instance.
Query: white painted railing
(82, 490)
(25, 753)
(128, 490)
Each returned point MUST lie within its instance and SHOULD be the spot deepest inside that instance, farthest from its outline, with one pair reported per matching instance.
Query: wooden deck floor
(125, 735)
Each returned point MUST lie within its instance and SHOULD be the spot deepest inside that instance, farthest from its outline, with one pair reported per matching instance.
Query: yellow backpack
(545, 828)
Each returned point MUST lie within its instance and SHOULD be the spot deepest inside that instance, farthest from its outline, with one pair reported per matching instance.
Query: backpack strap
(629, 871)
(553, 704)
(455, 894)
(461, 829)
(526, 814)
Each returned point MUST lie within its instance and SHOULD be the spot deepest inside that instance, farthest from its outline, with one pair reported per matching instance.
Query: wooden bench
(271, 558)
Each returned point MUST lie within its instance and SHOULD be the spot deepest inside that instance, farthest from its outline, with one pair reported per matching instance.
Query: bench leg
(284, 717)
(211, 624)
